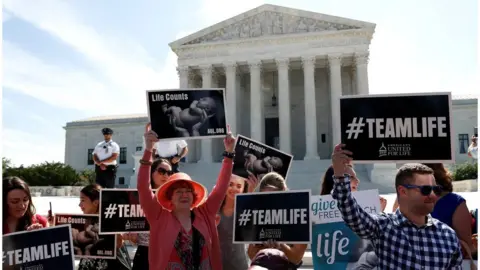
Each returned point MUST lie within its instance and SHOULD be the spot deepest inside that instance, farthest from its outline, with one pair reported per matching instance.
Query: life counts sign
(120, 212)
(256, 158)
(49, 248)
(187, 113)
(279, 216)
(403, 128)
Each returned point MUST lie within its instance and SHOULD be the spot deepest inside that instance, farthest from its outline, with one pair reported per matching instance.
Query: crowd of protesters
(430, 226)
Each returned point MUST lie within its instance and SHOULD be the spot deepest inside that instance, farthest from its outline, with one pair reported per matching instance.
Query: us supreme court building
(283, 70)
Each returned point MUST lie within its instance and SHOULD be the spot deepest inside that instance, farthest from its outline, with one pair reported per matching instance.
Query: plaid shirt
(399, 244)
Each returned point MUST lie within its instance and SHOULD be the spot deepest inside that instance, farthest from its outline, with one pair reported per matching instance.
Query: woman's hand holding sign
(252, 181)
(35, 226)
(150, 138)
(229, 141)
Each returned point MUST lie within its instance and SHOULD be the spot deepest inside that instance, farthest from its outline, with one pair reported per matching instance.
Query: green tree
(86, 177)
(49, 174)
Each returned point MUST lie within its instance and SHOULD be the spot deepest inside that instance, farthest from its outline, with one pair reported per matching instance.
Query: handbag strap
(469, 254)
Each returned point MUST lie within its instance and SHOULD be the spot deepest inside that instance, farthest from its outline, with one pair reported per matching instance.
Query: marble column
(183, 74)
(185, 80)
(284, 109)
(206, 144)
(335, 64)
(231, 95)
(256, 101)
(310, 108)
(361, 66)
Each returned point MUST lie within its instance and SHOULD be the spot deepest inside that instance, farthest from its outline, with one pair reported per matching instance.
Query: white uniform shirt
(473, 150)
(169, 148)
(104, 150)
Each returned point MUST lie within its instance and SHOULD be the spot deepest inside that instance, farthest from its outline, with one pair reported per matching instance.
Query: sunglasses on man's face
(163, 171)
(426, 190)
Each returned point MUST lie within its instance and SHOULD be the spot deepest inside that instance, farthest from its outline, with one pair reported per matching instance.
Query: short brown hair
(407, 171)
(442, 176)
(273, 179)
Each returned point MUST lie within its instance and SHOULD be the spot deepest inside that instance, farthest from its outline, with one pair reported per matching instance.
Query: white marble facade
(304, 60)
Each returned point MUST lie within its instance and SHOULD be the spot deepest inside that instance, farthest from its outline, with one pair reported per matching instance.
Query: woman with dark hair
(89, 203)
(18, 210)
(273, 182)
(234, 256)
(327, 181)
(160, 171)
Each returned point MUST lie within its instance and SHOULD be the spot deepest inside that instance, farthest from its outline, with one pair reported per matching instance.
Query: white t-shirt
(104, 150)
(473, 151)
(169, 148)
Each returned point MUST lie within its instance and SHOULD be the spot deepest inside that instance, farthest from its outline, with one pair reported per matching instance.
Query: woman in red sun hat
(183, 232)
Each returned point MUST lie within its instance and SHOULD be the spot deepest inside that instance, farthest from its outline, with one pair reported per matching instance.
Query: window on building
(324, 138)
(123, 155)
(463, 143)
(138, 149)
(121, 180)
(90, 156)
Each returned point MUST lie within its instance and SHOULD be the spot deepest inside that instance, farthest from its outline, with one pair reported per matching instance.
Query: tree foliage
(49, 174)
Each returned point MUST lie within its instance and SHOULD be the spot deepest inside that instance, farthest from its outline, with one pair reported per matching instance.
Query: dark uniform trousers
(106, 178)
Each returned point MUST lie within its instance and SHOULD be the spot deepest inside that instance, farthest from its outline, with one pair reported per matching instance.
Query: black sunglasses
(163, 171)
(427, 190)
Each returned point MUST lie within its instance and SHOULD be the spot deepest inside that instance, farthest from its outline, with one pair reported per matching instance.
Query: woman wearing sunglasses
(160, 171)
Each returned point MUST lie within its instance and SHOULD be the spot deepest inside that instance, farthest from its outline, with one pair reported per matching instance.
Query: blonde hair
(272, 179)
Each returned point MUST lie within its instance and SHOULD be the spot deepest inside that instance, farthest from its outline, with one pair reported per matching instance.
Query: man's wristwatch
(229, 154)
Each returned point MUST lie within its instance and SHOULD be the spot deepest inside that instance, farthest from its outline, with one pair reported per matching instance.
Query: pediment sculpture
(269, 23)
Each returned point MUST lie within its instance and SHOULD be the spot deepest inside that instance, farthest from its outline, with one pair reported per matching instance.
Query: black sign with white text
(258, 158)
(120, 212)
(87, 242)
(48, 248)
(187, 113)
(403, 128)
(281, 216)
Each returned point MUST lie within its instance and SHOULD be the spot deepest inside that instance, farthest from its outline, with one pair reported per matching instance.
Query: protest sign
(120, 212)
(398, 128)
(282, 216)
(87, 242)
(258, 158)
(187, 113)
(334, 244)
(48, 248)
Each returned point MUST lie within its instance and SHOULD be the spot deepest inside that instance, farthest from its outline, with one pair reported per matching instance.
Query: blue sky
(68, 60)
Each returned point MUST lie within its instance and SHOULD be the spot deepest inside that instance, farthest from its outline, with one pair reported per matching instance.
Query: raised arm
(150, 206)
(359, 221)
(218, 193)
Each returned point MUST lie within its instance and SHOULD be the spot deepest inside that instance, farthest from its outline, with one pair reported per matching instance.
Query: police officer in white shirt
(473, 148)
(174, 151)
(105, 157)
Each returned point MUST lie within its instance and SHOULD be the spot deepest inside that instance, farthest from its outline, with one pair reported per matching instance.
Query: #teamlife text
(36, 253)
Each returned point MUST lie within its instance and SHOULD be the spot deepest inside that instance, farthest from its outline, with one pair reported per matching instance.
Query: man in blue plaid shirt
(409, 238)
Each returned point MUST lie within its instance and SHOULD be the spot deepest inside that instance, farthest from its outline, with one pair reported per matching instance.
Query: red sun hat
(198, 189)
